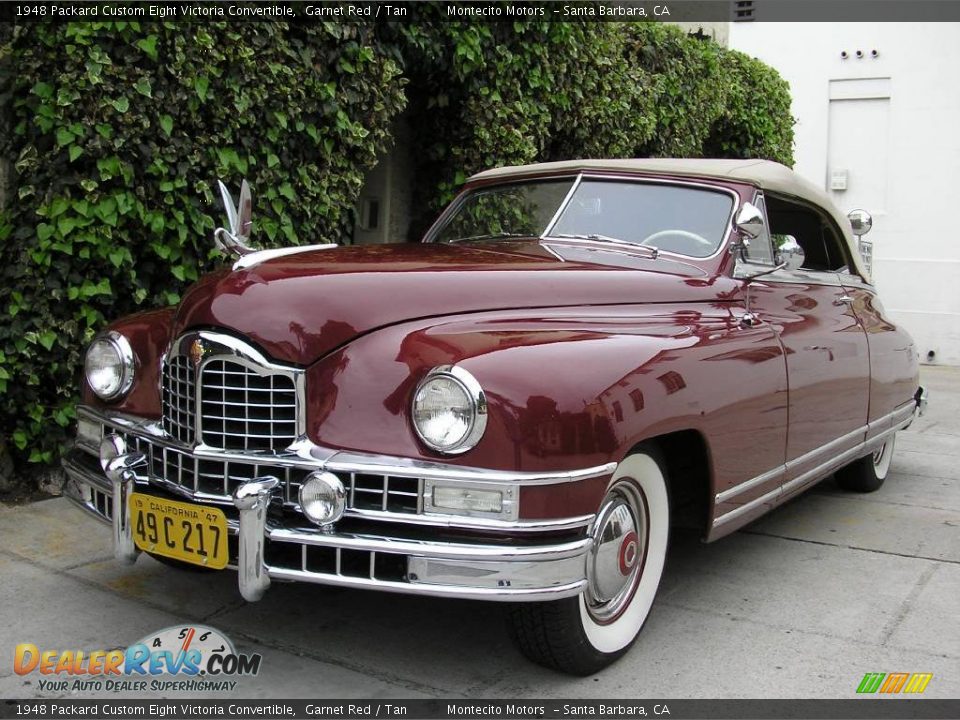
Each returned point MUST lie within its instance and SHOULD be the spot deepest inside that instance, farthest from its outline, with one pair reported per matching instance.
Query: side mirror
(860, 222)
(790, 255)
(750, 221)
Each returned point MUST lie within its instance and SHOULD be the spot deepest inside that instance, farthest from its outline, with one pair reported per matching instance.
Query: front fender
(566, 389)
(149, 335)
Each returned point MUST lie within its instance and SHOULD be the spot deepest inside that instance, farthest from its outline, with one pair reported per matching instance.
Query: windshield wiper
(490, 236)
(596, 237)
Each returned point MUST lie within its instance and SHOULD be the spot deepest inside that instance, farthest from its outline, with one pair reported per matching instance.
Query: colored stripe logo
(893, 683)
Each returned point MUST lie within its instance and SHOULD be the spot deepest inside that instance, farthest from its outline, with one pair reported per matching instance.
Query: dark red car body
(748, 388)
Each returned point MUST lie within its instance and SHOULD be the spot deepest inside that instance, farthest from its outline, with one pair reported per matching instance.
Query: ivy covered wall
(117, 132)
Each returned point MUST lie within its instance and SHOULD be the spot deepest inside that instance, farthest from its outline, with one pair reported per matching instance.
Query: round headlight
(109, 366)
(449, 410)
(322, 498)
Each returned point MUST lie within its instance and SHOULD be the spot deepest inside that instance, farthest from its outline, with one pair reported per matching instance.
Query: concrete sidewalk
(799, 604)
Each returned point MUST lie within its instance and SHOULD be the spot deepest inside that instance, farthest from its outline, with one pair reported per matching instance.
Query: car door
(825, 346)
(893, 358)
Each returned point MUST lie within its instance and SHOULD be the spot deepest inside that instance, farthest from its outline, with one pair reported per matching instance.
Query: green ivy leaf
(47, 338)
(166, 123)
(43, 90)
(149, 46)
(201, 84)
(143, 87)
(121, 104)
(64, 137)
(75, 151)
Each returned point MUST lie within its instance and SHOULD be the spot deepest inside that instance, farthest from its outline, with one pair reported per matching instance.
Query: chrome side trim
(789, 465)
(823, 469)
(749, 484)
(814, 454)
(409, 467)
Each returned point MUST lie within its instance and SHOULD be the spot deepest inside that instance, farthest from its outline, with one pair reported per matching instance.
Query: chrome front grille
(179, 400)
(237, 399)
(244, 410)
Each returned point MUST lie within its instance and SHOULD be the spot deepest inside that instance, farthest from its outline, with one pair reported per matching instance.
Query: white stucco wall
(897, 134)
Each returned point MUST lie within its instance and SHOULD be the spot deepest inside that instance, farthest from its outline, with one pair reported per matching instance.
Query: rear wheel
(584, 634)
(868, 473)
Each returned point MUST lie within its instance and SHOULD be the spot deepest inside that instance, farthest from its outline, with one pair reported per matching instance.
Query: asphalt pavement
(801, 603)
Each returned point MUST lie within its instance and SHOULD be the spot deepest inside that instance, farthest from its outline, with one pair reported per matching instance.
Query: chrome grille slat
(179, 399)
(231, 423)
(235, 403)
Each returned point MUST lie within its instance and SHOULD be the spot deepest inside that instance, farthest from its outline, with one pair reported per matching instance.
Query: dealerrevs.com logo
(181, 658)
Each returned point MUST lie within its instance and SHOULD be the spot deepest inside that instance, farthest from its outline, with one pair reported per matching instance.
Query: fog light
(468, 499)
(322, 498)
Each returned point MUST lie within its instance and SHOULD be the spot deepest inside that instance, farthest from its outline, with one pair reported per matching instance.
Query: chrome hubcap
(616, 559)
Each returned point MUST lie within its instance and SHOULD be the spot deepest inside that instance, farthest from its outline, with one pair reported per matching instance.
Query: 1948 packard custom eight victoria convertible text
(578, 356)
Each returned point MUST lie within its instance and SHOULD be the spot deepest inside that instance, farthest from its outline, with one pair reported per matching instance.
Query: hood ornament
(234, 240)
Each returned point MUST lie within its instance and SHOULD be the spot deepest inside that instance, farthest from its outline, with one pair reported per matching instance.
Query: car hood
(299, 307)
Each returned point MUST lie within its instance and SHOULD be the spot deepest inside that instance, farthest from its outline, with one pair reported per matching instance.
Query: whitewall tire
(584, 634)
(868, 473)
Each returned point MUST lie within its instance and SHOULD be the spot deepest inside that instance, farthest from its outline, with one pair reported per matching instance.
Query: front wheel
(584, 634)
(868, 473)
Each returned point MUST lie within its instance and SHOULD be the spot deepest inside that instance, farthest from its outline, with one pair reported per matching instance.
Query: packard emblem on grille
(197, 349)
(235, 239)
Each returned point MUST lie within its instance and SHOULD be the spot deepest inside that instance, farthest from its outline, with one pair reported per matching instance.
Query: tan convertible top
(776, 178)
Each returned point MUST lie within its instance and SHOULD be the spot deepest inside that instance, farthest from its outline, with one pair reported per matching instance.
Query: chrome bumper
(265, 550)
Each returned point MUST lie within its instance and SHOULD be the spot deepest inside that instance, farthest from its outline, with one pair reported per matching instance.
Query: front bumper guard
(434, 568)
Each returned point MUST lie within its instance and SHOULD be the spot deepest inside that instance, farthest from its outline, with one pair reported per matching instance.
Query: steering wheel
(656, 240)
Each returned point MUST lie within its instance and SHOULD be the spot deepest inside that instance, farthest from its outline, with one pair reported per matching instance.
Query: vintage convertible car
(579, 356)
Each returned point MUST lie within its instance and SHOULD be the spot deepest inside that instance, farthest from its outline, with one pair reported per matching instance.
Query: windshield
(515, 210)
(674, 218)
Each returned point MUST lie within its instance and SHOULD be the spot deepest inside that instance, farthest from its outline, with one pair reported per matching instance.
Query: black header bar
(494, 11)
(853, 709)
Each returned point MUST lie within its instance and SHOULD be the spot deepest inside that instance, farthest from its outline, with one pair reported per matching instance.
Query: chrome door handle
(843, 300)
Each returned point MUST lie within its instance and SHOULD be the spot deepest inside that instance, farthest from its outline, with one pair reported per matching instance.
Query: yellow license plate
(183, 531)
